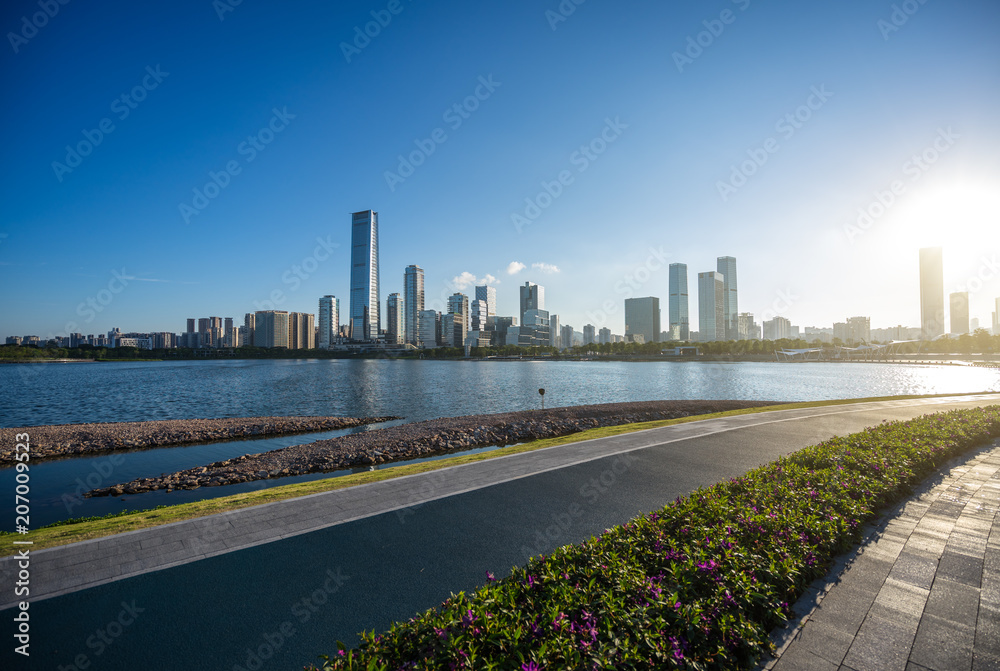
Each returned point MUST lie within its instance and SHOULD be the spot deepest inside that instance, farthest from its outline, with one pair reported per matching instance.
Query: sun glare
(950, 216)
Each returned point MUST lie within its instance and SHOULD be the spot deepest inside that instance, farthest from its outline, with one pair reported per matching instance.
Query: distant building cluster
(472, 320)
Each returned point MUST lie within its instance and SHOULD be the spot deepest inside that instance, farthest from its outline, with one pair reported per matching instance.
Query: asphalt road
(280, 605)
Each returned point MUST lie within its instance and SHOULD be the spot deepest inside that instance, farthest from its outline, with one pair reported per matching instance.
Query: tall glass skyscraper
(532, 298)
(711, 295)
(642, 317)
(413, 303)
(365, 297)
(679, 299)
(329, 321)
(931, 293)
(726, 266)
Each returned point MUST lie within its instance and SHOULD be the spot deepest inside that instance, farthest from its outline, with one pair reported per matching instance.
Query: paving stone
(825, 641)
(953, 601)
(985, 662)
(961, 568)
(802, 659)
(914, 569)
(988, 631)
(881, 645)
(941, 644)
(900, 602)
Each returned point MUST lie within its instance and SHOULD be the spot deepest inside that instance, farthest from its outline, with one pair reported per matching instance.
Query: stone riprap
(420, 439)
(68, 440)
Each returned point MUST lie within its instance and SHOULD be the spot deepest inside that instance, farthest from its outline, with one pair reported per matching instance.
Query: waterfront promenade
(291, 578)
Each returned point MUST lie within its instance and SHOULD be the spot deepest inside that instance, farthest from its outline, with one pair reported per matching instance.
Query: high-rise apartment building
(958, 303)
(777, 329)
(329, 321)
(604, 336)
(301, 330)
(642, 317)
(554, 331)
(248, 328)
(271, 328)
(589, 334)
(532, 298)
(931, 293)
(365, 297)
(413, 303)
(565, 336)
(394, 319)
(711, 294)
(726, 265)
(678, 302)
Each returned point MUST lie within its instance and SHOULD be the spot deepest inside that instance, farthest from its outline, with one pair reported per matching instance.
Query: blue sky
(669, 126)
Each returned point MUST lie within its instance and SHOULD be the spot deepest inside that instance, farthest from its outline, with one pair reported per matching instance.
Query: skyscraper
(249, 320)
(365, 319)
(679, 299)
(485, 292)
(429, 322)
(642, 317)
(413, 303)
(711, 295)
(931, 293)
(958, 303)
(329, 321)
(532, 298)
(726, 265)
(458, 305)
(589, 334)
(554, 330)
(394, 319)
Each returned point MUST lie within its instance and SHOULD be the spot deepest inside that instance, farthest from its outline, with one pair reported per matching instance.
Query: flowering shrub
(698, 584)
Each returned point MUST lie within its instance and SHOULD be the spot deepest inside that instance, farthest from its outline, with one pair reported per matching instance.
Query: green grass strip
(87, 528)
(696, 585)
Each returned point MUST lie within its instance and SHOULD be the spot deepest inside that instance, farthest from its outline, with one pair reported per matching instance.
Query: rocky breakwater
(419, 439)
(62, 440)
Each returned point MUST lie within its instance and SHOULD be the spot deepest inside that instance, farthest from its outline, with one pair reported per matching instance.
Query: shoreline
(53, 441)
(420, 439)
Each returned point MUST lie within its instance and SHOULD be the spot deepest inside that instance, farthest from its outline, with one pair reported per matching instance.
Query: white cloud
(467, 279)
(515, 267)
(546, 268)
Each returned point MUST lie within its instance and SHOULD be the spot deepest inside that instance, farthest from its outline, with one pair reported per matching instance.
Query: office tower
(329, 321)
(270, 328)
(365, 297)
(642, 317)
(190, 326)
(678, 307)
(489, 294)
(500, 327)
(726, 265)
(477, 315)
(458, 305)
(554, 331)
(428, 328)
(958, 303)
(413, 303)
(248, 328)
(394, 319)
(859, 329)
(565, 336)
(589, 334)
(532, 298)
(537, 326)
(931, 293)
(711, 294)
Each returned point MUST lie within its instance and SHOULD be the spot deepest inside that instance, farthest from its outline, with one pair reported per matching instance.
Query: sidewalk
(921, 593)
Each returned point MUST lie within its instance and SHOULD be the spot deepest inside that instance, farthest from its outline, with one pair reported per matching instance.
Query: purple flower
(530, 666)
(489, 577)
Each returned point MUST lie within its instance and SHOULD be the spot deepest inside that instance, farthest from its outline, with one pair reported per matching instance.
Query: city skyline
(220, 178)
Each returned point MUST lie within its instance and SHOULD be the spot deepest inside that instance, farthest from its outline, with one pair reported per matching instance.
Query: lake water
(64, 393)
